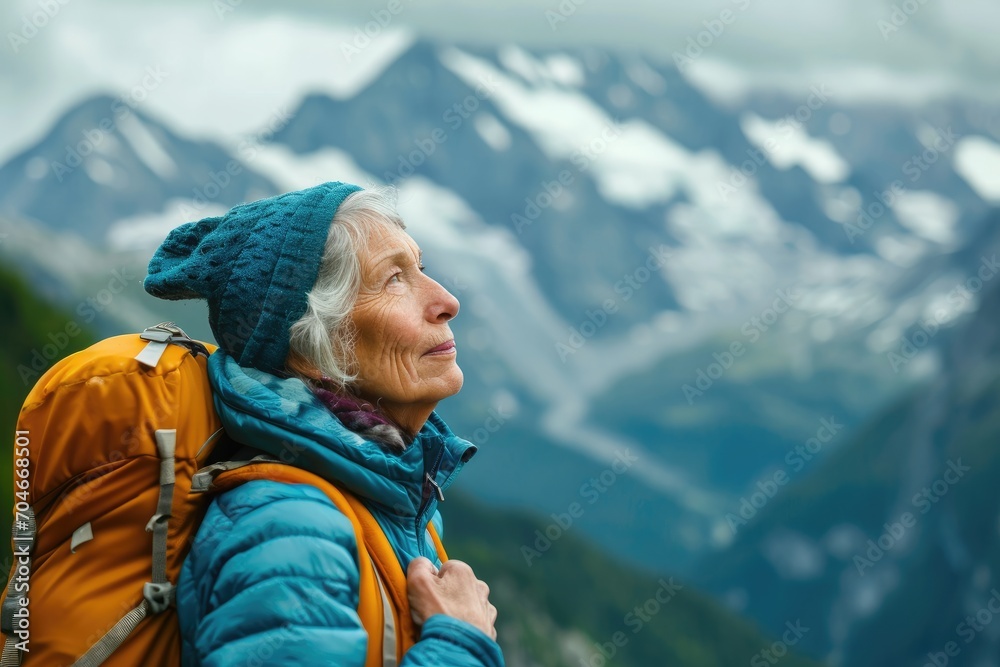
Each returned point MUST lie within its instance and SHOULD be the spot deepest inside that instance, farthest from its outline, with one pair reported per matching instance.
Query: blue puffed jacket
(272, 576)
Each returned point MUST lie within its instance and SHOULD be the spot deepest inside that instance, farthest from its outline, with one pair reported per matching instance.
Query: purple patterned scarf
(361, 417)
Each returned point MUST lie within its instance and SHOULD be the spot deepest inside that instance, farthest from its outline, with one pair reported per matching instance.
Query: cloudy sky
(227, 66)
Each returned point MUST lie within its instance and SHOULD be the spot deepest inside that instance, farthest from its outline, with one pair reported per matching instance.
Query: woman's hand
(453, 590)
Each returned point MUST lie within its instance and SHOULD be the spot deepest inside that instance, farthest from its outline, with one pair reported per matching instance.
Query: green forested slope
(573, 596)
(27, 326)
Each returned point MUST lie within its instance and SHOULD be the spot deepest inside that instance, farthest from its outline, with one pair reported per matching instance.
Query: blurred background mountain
(761, 284)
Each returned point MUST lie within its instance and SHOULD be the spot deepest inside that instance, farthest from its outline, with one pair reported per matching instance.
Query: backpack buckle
(162, 334)
(159, 596)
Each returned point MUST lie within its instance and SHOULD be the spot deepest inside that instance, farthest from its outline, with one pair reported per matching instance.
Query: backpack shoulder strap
(383, 604)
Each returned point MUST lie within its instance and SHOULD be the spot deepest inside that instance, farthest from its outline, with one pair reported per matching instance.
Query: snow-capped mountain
(105, 161)
(636, 261)
(889, 549)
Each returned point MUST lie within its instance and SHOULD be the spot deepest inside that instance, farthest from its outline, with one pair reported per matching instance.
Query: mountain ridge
(526, 290)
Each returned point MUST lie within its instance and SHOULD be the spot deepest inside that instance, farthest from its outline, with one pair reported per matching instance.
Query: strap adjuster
(159, 596)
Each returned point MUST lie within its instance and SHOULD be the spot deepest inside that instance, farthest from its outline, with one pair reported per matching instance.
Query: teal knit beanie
(254, 265)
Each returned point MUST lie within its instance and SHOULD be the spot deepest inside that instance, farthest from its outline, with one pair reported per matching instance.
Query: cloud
(229, 71)
(222, 78)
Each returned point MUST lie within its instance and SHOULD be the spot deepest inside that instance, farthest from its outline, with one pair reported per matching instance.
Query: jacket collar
(283, 418)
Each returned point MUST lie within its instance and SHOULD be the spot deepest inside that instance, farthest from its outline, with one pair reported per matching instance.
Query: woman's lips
(448, 347)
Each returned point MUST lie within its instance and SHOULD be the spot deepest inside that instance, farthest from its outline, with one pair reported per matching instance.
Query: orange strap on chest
(377, 553)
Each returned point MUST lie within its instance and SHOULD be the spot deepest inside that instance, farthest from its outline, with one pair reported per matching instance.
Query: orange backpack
(107, 447)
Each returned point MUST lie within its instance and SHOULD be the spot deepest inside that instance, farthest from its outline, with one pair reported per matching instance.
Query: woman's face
(401, 315)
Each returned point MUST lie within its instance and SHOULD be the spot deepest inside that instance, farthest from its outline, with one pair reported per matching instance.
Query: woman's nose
(443, 305)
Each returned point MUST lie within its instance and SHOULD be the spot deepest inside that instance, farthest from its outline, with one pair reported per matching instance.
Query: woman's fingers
(454, 590)
(421, 567)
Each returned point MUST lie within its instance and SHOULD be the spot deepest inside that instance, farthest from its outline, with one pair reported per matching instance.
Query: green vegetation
(573, 596)
(27, 325)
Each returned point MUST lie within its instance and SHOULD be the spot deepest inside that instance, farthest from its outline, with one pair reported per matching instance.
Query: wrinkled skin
(400, 314)
(453, 590)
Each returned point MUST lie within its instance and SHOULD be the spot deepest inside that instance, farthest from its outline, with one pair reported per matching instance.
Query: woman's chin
(451, 382)
(455, 379)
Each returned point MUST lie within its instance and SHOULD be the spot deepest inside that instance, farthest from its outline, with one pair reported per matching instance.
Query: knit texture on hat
(254, 265)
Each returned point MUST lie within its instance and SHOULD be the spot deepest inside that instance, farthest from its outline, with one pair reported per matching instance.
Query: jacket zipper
(429, 489)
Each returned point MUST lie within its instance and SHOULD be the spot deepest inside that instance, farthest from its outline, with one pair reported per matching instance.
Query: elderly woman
(334, 349)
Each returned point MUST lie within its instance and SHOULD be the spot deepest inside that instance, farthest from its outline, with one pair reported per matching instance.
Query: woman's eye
(394, 277)
(421, 267)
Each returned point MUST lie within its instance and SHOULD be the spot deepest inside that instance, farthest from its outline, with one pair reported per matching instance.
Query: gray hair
(322, 340)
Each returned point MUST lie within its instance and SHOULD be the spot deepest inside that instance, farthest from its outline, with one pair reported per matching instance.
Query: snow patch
(900, 250)
(977, 160)
(99, 171)
(520, 62)
(935, 302)
(841, 204)
(147, 147)
(788, 144)
(928, 214)
(793, 556)
(295, 171)
(719, 81)
(633, 163)
(440, 216)
(558, 68)
(492, 131)
(565, 70)
(147, 231)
